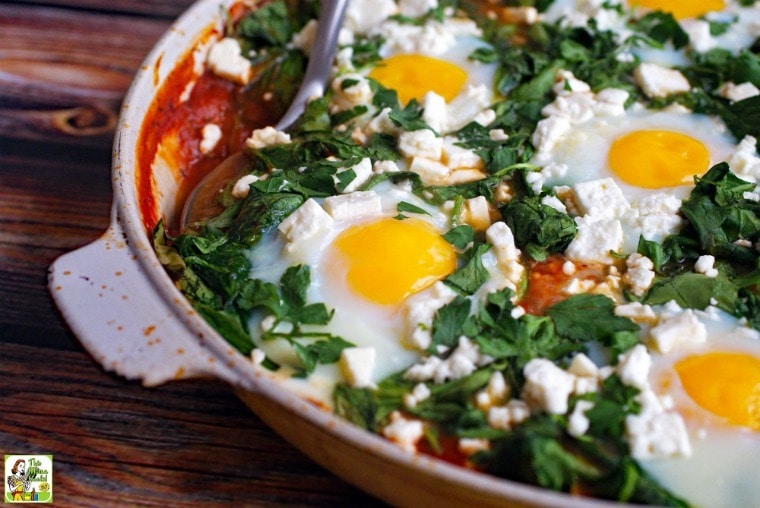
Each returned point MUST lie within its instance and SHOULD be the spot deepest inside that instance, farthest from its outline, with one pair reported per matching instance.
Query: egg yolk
(726, 384)
(681, 9)
(412, 76)
(388, 260)
(655, 158)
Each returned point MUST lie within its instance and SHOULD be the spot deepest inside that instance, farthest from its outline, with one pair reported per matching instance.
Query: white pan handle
(113, 308)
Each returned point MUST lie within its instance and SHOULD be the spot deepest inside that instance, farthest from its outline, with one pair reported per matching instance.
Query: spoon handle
(322, 53)
(313, 85)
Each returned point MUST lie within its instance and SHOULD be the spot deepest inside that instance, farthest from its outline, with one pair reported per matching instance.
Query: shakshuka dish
(520, 236)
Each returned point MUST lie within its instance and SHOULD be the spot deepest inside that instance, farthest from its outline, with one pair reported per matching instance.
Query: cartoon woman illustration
(18, 481)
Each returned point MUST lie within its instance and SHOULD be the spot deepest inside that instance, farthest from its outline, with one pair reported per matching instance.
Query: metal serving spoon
(314, 81)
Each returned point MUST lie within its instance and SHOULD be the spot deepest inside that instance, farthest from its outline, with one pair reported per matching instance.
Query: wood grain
(153, 8)
(186, 444)
(64, 72)
(52, 199)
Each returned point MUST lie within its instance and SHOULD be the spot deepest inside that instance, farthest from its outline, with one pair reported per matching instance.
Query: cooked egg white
(715, 386)
(364, 268)
(652, 156)
(694, 17)
(643, 152)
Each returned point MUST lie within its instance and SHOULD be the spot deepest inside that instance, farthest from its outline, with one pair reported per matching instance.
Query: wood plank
(117, 443)
(55, 85)
(152, 8)
(52, 199)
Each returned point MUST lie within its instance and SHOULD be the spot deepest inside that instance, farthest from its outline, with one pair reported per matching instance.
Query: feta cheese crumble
(226, 61)
(357, 364)
(658, 81)
(405, 432)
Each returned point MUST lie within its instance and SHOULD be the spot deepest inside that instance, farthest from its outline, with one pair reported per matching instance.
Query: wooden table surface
(64, 68)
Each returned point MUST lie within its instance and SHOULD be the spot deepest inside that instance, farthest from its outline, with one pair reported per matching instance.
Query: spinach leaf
(534, 453)
(586, 317)
(439, 194)
(743, 116)
(460, 236)
(654, 251)
(343, 117)
(289, 306)
(719, 215)
(269, 25)
(631, 483)
(748, 306)
(500, 335)
(499, 155)
(275, 23)
(719, 27)
(450, 404)
(293, 285)
(539, 230)
(539, 451)
(527, 71)
(716, 66)
(708, 73)
(409, 118)
(261, 213)
(403, 206)
(205, 287)
(612, 403)
(366, 51)
(228, 324)
(662, 27)
(321, 352)
(745, 68)
(356, 405)
(448, 323)
(369, 409)
(222, 269)
(473, 274)
(694, 291)
(521, 340)
(256, 293)
(344, 179)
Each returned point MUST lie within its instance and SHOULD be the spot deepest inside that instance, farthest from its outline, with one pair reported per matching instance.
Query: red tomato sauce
(211, 100)
(449, 451)
(546, 280)
(152, 130)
